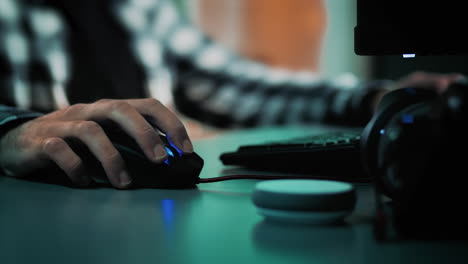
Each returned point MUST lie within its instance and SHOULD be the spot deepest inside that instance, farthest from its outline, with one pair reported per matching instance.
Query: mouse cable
(276, 177)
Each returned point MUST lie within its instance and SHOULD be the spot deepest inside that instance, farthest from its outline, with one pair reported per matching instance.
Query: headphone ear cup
(403, 150)
(392, 103)
(413, 149)
(422, 168)
(454, 107)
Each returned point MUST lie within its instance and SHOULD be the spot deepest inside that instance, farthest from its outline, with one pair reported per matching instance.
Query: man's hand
(437, 82)
(38, 142)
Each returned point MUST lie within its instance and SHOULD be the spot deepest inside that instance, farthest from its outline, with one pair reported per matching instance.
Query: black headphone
(414, 149)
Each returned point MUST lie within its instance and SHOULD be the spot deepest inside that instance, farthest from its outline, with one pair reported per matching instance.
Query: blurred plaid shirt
(54, 53)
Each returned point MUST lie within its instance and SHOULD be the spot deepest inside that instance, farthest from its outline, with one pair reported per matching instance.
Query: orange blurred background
(276, 32)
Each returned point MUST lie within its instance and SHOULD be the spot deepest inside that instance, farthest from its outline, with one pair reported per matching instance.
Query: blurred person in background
(67, 66)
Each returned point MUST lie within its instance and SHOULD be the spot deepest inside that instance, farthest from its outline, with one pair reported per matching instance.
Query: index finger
(166, 120)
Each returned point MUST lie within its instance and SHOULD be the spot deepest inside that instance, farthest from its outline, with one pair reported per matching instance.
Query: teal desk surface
(216, 223)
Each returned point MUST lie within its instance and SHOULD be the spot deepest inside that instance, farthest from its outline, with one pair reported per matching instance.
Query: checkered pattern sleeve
(14, 63)
(56, 53)
(213, 84)
(33, 58)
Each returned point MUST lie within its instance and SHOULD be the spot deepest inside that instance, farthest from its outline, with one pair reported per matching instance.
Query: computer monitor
(413, 27)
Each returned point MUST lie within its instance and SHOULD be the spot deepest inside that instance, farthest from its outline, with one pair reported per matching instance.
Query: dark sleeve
(11, 117)
(214, 85)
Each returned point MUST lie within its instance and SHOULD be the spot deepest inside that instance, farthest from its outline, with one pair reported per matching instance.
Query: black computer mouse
(178, 171)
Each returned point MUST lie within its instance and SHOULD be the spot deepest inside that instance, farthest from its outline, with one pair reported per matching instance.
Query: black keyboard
(333, 155)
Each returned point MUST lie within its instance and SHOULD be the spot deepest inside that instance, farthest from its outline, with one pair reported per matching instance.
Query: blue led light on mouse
(170, 153)
(172, 150)
(180, 152)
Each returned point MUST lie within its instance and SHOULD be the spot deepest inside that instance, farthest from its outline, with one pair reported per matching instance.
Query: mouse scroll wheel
(169, 152)
(172, 152)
